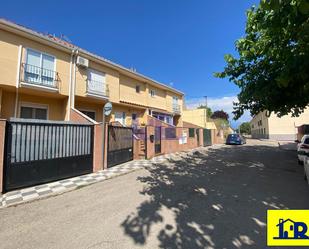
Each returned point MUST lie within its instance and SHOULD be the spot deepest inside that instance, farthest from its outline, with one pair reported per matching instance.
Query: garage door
(38, 151)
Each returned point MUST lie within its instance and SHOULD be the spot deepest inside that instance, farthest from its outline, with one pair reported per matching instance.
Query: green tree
(209, 111)
(245, 128)
(220, 115)
(272, 69)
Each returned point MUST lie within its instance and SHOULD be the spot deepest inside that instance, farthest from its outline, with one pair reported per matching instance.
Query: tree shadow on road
(218, 198)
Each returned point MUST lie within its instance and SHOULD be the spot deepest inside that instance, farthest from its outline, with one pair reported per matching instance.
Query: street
(215, 198)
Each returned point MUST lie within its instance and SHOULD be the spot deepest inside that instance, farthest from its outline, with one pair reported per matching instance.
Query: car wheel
(300, 162)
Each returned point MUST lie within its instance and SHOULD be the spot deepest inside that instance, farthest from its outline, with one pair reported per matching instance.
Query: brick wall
(171, 145)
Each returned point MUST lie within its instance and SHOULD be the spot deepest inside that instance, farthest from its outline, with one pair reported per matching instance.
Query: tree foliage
(272, 69)
(220, 115)
(209, 111)
(245, 128)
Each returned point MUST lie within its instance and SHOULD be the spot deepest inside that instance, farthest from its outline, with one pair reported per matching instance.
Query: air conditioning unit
(81, 61)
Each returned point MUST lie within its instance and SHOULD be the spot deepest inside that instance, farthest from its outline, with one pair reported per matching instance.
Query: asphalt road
(214, 199)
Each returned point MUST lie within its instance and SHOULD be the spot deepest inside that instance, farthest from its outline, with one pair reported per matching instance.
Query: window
(191, 132)
(134, 116)
(170, 133)
(96, 82)
(39, 68)
(120, 117)
(137, 89)
(152, 93)
(33, 112)
(90, 114)
(175, 100)
(169, 120)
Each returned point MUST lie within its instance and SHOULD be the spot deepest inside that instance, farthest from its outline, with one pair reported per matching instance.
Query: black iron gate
(38, 151)
(197, 131)
(157, 139)
(120, 145)
(206, 137)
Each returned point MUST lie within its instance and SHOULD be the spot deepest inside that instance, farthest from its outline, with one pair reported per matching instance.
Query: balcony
(176, 109)
(97, 89)
(33, 76)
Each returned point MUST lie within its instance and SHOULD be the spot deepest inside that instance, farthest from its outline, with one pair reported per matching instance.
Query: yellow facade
(273, 127)
(195, 116)
(128, 91)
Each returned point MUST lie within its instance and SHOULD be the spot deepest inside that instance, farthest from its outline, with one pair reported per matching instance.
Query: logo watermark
(287, 227)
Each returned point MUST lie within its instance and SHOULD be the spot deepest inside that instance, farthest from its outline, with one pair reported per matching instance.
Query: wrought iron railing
(39, 76)
(97, 88)
(176, 108)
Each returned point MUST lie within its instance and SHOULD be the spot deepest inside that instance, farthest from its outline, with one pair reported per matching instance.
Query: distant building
(275, 128)
(198, 117)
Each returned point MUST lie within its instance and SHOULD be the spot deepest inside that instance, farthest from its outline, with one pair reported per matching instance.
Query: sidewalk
(58, 187)
(66, 185)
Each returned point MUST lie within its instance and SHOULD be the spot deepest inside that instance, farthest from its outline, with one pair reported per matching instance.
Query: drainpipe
(74, 78)
(70, 85)
(17, 79)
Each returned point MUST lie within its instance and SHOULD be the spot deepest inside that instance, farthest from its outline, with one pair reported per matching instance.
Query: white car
(303, 149)
(306, 169)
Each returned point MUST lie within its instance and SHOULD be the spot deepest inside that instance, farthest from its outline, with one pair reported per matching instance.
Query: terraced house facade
(44, 77)
(52, 95)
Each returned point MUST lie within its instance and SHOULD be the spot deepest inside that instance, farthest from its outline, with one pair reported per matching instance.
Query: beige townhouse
(273, 127)
(43, 77)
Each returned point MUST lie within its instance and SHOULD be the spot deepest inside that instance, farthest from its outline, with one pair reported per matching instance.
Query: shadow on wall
(218, 199)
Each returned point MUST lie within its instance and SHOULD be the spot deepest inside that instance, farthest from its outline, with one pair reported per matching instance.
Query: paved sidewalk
(58, 187)
(54, 188)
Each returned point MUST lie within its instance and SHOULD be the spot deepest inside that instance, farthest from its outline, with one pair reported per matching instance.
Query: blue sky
(177, 42)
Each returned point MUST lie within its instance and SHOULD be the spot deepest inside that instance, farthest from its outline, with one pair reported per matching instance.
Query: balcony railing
(39, 76)
(176, 109)
(97, 88)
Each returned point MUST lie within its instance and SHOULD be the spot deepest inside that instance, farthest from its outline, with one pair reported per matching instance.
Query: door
(197, 131)
(37, 152)
(206, 137)
(120, 145)
(157, 139)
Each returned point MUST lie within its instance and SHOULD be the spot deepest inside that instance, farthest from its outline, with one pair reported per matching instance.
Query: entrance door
(197, 131)
(157, 138)
(120, 145)
(207, 137)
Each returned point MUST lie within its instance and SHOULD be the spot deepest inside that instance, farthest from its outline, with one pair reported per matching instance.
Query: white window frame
(175, 100)
(91, 70)
(103, 74)
(41, 58)
(152, 93)
(123, 118)
(34, 105)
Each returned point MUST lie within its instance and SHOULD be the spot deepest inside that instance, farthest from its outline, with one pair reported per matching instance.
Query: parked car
(235, 139)
(302, 149)
(306, 168)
